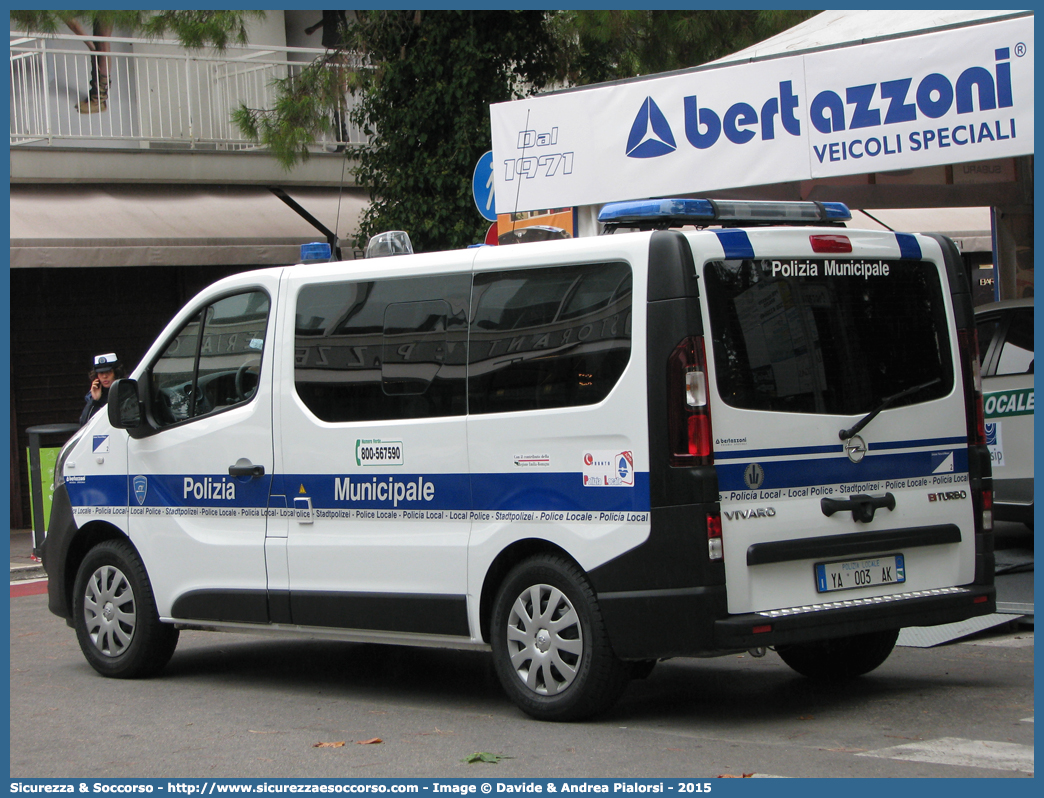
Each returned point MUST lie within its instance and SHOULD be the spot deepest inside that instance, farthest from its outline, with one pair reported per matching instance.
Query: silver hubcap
(545, 642)
(108, 609)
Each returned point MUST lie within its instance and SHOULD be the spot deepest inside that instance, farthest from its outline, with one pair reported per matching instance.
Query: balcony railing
(159, 96)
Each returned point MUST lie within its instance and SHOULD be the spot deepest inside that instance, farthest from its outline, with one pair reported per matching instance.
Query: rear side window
(386, 349)
(830, 337)
(548, 338)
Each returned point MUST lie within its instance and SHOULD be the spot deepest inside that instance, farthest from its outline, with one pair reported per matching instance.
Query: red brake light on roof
(830, 243)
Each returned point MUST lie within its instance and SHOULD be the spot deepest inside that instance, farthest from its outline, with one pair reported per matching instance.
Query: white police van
(584, 455)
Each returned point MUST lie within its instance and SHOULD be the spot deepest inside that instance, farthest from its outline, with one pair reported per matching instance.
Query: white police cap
(106, 362)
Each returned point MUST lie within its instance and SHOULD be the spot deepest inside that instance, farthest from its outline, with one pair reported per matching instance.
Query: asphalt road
(257, 706)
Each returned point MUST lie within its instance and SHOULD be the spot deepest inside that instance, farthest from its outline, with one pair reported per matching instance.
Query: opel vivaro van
(740, 426)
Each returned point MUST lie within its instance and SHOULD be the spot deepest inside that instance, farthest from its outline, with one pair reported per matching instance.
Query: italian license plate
(848, 574)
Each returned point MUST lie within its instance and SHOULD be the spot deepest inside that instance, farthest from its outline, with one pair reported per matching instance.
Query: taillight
(714, 544)
(968, 343)
(688, 414)
(987, 511)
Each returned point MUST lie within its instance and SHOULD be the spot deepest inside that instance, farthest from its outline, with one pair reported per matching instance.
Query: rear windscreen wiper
(845, 434)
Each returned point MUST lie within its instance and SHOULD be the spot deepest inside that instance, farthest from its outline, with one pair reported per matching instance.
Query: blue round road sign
(482, 187)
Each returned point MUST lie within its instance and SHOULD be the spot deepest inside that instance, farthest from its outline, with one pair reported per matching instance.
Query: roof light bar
(661, 213)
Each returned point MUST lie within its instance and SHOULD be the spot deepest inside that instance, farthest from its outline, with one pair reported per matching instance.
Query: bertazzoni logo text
(873, 106)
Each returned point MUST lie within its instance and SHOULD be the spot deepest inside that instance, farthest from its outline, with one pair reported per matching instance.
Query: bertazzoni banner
(937, 98)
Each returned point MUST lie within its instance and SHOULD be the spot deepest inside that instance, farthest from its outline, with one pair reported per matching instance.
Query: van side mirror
(124, 406)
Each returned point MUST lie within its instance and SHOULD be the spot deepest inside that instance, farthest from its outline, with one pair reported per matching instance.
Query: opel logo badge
(855, 448)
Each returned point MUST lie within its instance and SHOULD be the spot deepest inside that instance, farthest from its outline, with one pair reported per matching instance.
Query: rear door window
(833, 337)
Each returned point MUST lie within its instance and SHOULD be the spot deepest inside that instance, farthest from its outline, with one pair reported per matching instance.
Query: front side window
(213, 363)
(827, 336)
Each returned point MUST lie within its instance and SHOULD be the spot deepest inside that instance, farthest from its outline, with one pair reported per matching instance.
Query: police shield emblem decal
(141, 487)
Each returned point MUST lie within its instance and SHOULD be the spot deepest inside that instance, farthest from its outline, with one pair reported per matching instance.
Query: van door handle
(244, 468)
(863, 507)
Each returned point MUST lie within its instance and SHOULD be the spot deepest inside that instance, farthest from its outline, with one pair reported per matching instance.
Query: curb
(20, 573)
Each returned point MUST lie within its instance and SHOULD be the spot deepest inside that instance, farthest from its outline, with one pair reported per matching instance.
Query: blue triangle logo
(650, 135)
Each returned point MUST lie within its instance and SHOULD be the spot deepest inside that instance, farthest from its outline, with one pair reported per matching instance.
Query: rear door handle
(863, 507)
(244, 468)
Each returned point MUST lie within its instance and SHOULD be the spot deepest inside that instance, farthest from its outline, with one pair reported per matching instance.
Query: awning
(849, 27)
(172, 225)
(970, 228)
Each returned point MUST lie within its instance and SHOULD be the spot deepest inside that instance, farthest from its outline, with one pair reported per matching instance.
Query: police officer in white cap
(106, 369)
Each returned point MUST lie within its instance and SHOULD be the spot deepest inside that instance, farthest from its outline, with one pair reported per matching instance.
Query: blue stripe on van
(908, 246)
(735, 243)
(553, 491)
(557, 492)
(169, 490)
(834, 448)
(793, 473)
(960, 440)
(796, 451)
(97, 491)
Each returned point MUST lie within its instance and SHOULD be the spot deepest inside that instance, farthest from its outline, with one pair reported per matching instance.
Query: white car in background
(1006, 353)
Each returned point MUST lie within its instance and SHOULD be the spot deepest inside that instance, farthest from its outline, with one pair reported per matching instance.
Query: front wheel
(841, 658)
(115, 616)
(550, 648)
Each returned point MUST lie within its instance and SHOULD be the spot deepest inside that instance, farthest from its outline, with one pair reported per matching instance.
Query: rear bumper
(695, 622)
(845, 617)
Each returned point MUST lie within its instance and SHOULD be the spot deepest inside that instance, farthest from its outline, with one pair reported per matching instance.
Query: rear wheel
(841, 658)
(115, 616)
(550, 648)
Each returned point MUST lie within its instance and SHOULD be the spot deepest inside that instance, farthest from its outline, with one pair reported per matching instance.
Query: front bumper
(54, 553)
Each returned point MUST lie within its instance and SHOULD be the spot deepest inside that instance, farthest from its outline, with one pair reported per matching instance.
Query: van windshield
(827, 336)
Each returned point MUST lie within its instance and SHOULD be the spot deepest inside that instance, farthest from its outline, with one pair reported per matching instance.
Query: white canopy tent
(850, 27)
(970, 228)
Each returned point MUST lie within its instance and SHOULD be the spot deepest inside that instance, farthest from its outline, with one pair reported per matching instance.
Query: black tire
(115, 616)
(564, 673)
(841, 658)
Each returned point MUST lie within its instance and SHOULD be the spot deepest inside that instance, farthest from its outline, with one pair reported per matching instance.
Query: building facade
(120, 215)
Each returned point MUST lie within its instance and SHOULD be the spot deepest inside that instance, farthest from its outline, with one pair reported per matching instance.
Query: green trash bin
(48, 457)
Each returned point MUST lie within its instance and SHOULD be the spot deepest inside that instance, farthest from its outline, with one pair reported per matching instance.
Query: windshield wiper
(845, 434)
